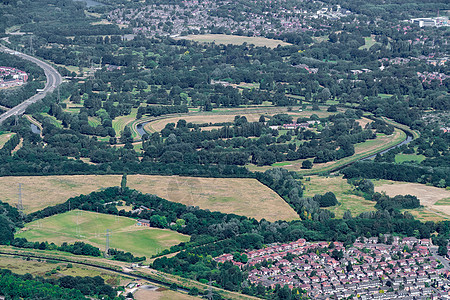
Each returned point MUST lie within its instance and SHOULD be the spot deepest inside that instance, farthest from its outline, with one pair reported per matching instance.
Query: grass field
(340, 187)
(229, 195)
(34, 267)
(160, 294)
(39, 192)
(4, 137)
(121, 122)
(444, 201)
(369, 42)
(94, 121)
(234, 40)
(53, 120)
(399, 158)
(90, 227)
(435, 200)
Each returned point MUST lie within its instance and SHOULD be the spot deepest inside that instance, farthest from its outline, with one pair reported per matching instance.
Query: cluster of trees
(385, 202)
(77, 248)
(124, 256)
(381, 127)
(15, 286)
(394, 10)
(156, 111)
(10, 219)
(10, 145)
(288, 186)
(94, 286)
(255, 142)
(437, 176)
(326, 200)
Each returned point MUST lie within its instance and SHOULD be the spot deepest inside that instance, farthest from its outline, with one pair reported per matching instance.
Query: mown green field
(121, 122)
(53, 120)
(369, 42)
(91, 228)
(94, 121)
(399, 158)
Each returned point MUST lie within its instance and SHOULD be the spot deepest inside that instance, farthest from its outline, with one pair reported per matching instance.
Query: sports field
(91, 228)
(234, 40)
(229, 195)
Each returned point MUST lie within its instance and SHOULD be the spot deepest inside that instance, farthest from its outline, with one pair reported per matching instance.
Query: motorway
(54, 79)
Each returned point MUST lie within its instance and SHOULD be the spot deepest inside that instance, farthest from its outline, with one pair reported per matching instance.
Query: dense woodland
(174, 74)
(15, 286)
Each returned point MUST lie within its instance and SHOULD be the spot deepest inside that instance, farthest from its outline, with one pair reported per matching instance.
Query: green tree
(307, 164)
(123, 182)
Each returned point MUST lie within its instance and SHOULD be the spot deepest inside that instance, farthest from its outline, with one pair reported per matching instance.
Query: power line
(107, 243)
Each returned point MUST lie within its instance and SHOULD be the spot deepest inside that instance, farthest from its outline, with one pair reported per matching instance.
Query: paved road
(433, 250)
(53, 80)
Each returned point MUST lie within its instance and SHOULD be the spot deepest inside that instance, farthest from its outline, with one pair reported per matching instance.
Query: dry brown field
(242, 196)
(160, 294)
(234, 40)
(435, 200)
(159, 125)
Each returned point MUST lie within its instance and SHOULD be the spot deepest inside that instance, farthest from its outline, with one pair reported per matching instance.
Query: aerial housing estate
(11, 77)
(372, 268)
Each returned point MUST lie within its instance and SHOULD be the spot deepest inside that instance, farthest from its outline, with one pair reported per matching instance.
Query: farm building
(143, 222)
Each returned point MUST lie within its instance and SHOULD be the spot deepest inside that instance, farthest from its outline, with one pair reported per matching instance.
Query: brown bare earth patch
(364, 121)
(242, 196)
(433, 198)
